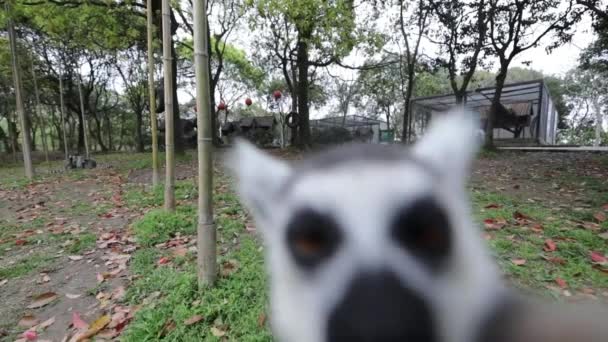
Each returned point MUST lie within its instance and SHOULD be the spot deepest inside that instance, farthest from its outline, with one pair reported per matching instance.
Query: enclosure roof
(529, 91)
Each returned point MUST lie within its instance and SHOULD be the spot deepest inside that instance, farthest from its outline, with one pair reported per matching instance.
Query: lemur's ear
(450, 143)
(260, 177)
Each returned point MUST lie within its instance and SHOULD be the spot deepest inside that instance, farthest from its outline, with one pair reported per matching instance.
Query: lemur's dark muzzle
(378, 308)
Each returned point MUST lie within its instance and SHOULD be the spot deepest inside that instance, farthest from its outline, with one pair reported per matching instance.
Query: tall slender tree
(152, 94)
(39, 114)
(207, 268)
(25, 131)
(169, 132)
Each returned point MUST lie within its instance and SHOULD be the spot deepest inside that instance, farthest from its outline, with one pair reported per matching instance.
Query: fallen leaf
(44, 279)
(494, 224)
(46, 324)
(118, 293)
(3, 282)
(599, 258)
(555, 260)
(20, 242)
(262, 320)
(73, 296)
(75, 257)
(168, 327)
(180, 252)
(78, 323)
(30, 335)
(95, 327)
(518, 262)
(605, 207)
(194, 319)
(561, 283)
(100, 278)
(493, 206)
(28, 321)
(520, 216)
(164, 261)
(229, 267)
(603, 235)
(42, 300)
(600, 216)
(217, 332)
(537, 228)
(550, 246)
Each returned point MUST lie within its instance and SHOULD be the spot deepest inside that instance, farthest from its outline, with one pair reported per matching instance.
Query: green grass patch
(25, 266)
(83, 242)
(519, 241)
(159, 225)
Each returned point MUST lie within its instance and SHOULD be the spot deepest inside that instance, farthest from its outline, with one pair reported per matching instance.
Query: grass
(574, 245)
(235, 305)
(83, 242)
(25, 266)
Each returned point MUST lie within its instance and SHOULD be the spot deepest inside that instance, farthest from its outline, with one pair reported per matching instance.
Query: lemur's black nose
(377, 307)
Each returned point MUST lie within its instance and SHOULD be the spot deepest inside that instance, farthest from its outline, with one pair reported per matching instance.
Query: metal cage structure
(530, 115)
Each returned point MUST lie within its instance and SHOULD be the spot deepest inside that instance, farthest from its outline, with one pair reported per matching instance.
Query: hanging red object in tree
(277, 94)
(221, 106)
(248, 101)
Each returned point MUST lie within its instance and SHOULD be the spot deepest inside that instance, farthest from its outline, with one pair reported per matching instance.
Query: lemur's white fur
(362, 197)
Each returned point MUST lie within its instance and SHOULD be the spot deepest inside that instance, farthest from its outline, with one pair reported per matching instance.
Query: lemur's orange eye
(422, 228)
(312, 237)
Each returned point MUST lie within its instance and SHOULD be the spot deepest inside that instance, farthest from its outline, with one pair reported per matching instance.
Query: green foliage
(24, 266)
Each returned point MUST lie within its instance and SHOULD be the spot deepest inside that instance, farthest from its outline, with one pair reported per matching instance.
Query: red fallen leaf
(78, 323)
(28, 321)
(537, 228)
(520, 216)
(493, 206)
(20, 242)
(194, 319)
(600, 216)
(598, 258)
(164, 261)
(550, 246)
(518, 262)
(100, 278)
(561, 283)
(107, 215)
(30, 335)
(494, 224)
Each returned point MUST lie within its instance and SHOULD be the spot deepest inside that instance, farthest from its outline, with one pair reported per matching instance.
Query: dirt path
(64, 242)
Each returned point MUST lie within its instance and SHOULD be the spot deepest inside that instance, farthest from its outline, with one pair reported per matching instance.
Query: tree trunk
(41, 120)
(152, 95)
(406, 134)
(85, 135)
(62, 111)
(302, 91)
(206, 234)
(109, 127)
(212, 85)
(25, 132)
(99, 134)
(489, 131)
(598, 121)
(138, 132)
(168, 63)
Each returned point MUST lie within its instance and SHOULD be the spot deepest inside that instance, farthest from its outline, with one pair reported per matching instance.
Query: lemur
(377, 243)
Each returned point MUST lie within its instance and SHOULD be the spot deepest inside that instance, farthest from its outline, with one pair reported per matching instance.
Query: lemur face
(376, 242)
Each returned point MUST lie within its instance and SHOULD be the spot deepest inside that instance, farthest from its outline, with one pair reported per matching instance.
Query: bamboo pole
(39, 114)
(169, 133)
(206, 234)
(25, 132)
(152, 97)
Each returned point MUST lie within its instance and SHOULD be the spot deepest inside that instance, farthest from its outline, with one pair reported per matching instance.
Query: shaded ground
(543, 215)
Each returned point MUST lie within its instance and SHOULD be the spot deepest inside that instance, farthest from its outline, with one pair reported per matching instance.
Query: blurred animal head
(376, 243)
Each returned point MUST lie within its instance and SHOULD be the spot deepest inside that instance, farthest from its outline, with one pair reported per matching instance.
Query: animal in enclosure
(377, 243)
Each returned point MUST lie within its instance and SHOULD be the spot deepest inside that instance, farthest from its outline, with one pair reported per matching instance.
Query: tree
(206, 239)
(25, 132)
(517, 26)
(587, 90)
(412, 30)
(379, 92)
(462, 35)
(323, 34)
